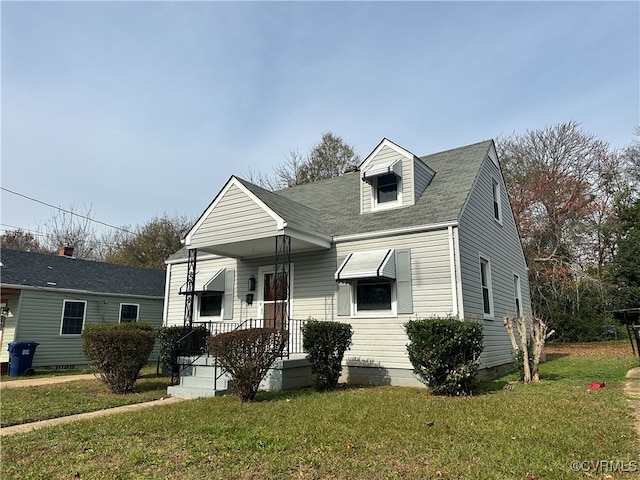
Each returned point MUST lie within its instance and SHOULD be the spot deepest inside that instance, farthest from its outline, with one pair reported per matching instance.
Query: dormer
(392, 177)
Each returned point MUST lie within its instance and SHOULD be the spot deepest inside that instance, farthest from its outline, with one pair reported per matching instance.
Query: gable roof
(332, 206)
(336, 200)
(54, 272)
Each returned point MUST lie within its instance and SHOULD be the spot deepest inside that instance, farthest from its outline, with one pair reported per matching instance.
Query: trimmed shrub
(445, 353)
(325, 344)
(118, 352)
(169, 349)
(247, 355)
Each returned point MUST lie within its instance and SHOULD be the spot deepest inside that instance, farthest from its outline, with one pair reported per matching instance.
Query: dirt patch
(617, 348)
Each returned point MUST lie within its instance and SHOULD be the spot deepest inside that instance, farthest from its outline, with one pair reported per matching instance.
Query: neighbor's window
(373, 294)
(497, 210)
(128, 313)
(485, 276)
(211, 304)
(387, 188)
(72, 317)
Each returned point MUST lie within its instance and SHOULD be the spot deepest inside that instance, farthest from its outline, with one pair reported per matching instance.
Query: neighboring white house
(401, 237)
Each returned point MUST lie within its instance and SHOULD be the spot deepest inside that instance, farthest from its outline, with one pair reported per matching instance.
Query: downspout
(452, 266)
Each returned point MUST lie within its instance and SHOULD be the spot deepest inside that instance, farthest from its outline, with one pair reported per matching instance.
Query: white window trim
(137, 311)
(84, 317)
(375, 206)
(260, 288)
(496, 198)
(209, 318)
(487, 262)
(353, 296)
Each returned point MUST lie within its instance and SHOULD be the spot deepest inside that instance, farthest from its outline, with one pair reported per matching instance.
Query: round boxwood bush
(445, 353)
(118, 352)
(325, 344)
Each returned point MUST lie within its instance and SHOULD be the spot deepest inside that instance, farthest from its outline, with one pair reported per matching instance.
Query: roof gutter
(396, 231)
(83, 292)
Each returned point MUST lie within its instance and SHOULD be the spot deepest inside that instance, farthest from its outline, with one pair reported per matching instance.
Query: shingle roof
(337, 200)
(64, 273)
(295, 213)
(333, 206)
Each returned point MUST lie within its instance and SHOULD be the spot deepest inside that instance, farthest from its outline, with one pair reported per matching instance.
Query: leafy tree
(328, 158)
(563, 183)
(626, 264)
(151, 244)
(19, 239)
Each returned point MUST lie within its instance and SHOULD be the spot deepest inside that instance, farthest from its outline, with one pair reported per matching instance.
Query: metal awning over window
(207, 284)
(372, 264)
(392, 166)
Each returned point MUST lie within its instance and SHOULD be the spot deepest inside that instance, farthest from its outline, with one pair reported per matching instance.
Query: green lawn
(31, 404)
(356, 433)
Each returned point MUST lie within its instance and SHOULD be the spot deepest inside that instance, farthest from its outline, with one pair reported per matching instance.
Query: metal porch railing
(192, 346)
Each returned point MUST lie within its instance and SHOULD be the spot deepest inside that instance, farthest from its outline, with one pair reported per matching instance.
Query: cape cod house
(400, 237)
(49, 299)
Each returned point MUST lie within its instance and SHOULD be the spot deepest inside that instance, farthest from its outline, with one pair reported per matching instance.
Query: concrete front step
(181, 391)
(197, 380)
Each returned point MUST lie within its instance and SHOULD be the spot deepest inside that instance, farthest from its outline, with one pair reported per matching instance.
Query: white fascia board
(385, 143)
(201, 256)
(233, 181)
(309, 237)
(74, 291)
(394, 232)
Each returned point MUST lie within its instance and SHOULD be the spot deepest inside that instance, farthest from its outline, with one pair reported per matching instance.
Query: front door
(275, 295)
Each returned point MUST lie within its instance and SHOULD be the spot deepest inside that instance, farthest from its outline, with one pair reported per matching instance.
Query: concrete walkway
(32, 382)
(36, 382)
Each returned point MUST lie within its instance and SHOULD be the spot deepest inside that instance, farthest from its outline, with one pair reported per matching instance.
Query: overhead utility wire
(66, 211)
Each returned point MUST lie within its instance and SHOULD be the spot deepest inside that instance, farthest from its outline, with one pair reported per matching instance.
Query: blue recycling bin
(21, 357)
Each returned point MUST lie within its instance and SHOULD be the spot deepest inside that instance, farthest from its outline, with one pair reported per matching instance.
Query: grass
(47, 373)
(355, 433)
(31, 404)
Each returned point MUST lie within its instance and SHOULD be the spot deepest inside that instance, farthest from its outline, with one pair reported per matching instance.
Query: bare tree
(328, 158)
(73, 228)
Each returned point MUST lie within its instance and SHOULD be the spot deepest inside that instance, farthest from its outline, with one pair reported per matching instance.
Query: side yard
(508, 431)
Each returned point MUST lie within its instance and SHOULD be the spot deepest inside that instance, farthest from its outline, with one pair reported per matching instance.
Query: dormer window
(385, 180)
(387, 188)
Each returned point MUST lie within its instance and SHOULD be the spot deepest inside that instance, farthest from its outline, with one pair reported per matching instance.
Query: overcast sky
(136, 109)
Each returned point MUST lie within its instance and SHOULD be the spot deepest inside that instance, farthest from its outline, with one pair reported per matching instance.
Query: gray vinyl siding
(235, 218)
(40, 317)
(423, 176)
(480, 235)
(381, 341)
(313, 287)
(205, 268)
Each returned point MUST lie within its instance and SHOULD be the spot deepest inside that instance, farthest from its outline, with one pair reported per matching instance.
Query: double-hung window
(497, 205)
(73, 314)
(128, 312)
(211, 304)
(485, 278)
(375, 283)
(387, 188)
